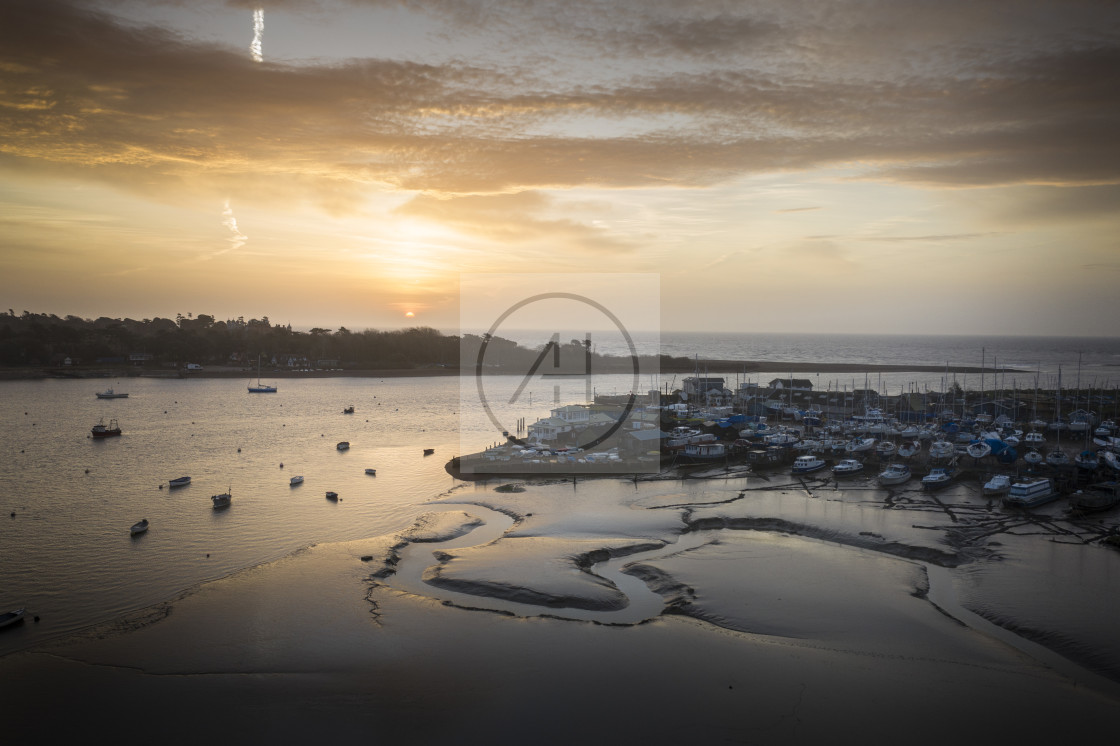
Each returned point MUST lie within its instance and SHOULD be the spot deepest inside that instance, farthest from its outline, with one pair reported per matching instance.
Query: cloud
(947, 111)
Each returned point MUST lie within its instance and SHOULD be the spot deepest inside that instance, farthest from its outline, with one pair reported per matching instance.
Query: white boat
(808, 464)
(295, 480)
(110, 394)
(1033, 456)
(894, 474)
(859, 445)
(885, 449)
(332, 495)
(908, 449)
(261, 388)
(1034, 438)
(139, 527)
(371, 472)
(1087, 460)
(941, 449)
(1030, 493)
(344, 445)
(11, 617)
(1111, 460)
(223, 500)
(938, 477)
(847, 467)
(999, 484)
(179, 481)
(1057, 457)
(979, 449)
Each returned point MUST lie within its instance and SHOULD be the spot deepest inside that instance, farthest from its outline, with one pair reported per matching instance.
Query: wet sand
(769, 616)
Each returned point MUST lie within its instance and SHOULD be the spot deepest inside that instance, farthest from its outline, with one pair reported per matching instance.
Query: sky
(893, 166)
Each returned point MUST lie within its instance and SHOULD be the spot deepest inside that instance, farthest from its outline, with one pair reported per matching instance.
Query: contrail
(257, 48)
(238, 239)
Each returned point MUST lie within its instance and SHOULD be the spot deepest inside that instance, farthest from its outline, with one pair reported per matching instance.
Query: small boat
(858, 445)
(894, 474)
(1030, 493)
(349, 410)
(808, 464)
(885, 449)
(179, 481)
(139, 527)
(1034, 438)
(223, 500)
(1058, 457)
(1111, 460)
(979, 449)
(295, 480)
(9, 618)
(261, 388)
(847, 467)
(1095, 498)
(1033, 456)
(371, 472)
(332, 495)
(998, 485)
(941, 449)
(100, 430)
(110, 394)
(1087, 460)
(344, 445)
(429, 451)
(908, 449)
(938, 477)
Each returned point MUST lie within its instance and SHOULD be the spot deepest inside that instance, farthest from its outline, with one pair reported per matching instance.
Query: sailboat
(261, 388)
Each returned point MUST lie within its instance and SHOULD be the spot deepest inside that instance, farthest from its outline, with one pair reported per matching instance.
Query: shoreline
(709, 366)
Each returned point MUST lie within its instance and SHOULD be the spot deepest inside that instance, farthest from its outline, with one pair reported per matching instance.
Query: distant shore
(707, 366)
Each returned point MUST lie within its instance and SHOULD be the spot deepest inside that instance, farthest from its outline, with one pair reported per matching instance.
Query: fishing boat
(371, 472)
(179, 481)
(332, 495)
(9, 618)
(344, 445)
(997, 486)
(349, 410)
(261, 388)
(808, 464)
(938, 477)
(847, 467)
(101, 430)
(1030, 493)
(139, 527)
(223, 500)
(110, 394)
(295, 480)
(894, 474)
(430, 451)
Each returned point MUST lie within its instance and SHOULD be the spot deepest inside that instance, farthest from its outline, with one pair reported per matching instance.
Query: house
(795, 384)
(548, 430)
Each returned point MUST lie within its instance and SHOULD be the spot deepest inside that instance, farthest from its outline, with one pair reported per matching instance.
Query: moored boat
(847, 467)
(110, 394)
(808, 464)
(223, 500)
(101, 430)
(139, 527)
(349, 410)
(979, 449)
(1095, 498)
(295, 480)
(344, 445)
(1030, 493)
(371, 472)
(179, 481)
(11, 617)
(1033, 456)
(938, 477)
(332, 495)
(1087, 460)
(998, 485)
(1057, 457)
(894, 474)
(941, 449)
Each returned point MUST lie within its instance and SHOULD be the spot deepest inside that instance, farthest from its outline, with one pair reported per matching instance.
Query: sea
(67, 500)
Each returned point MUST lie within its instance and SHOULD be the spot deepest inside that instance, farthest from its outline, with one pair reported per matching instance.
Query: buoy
(87, 471)
(239, 450)
(208, 555)
(161, 486)
(13, 514)
(281, 464)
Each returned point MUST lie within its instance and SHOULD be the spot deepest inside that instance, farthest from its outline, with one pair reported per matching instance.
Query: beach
(494, 619)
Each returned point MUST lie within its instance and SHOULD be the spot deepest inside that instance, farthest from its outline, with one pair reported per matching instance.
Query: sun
(409, 315)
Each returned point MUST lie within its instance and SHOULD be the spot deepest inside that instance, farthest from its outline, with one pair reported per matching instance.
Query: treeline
(42, 340)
